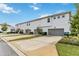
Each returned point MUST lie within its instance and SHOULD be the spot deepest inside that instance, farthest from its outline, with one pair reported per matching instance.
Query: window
(63, 16)
(48, 20)
(58, 16)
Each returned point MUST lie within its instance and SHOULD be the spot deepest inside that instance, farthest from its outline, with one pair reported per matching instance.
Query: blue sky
(14, 13)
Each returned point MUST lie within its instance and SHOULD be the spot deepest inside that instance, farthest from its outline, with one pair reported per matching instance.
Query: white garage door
(56, 32)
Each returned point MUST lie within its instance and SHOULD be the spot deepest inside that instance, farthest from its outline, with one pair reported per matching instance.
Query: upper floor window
(48, 20)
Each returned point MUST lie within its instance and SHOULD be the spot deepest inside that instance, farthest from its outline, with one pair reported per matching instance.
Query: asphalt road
(5, 50)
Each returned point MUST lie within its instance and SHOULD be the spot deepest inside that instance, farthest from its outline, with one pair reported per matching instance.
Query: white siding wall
(62, 22)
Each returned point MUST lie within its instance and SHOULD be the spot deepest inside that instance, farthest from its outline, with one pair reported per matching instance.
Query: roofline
(44, 17)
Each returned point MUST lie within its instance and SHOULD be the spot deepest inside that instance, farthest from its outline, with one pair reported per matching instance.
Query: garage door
(56, 32)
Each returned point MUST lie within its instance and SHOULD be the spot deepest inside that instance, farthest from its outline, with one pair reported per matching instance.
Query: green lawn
(67, 49)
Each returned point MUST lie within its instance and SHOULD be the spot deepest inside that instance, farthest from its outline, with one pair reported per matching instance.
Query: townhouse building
(55, 25)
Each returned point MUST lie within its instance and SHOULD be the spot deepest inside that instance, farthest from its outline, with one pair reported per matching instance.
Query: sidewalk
(5, 50)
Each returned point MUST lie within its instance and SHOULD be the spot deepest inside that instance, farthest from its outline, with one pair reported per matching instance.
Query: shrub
(44, 33)
(70, 40)
(17, 30)
(73, 34)
(21, 31)
(10, 32)
(0, 31)
(31, 32)
(39, 31)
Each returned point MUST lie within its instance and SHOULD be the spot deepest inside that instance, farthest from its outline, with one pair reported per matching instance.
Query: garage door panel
(56, 32)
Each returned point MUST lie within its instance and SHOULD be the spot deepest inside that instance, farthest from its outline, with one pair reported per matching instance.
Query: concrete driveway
(44, 45)
(49, 39)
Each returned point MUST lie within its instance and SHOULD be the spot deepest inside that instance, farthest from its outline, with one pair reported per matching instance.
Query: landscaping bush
(31, 32)
(66, 34)
(10, 32)
(44, 33)
(73, 34)
(70, 34)
(0, 31)
(70, 40)
(21, 31)
(39, 31)
(17, 30)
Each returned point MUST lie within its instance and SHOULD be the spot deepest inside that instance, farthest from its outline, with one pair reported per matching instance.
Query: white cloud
(44, 15)
(6, 9)
(34, 7)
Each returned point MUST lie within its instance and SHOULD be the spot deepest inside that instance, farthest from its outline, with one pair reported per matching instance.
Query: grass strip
(24, 38)
(10, 35)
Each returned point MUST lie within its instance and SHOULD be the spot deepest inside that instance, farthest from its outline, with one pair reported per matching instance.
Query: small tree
(39, 31)
(75, 21)
(4, 27)
(18, 30)
(75, 24)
